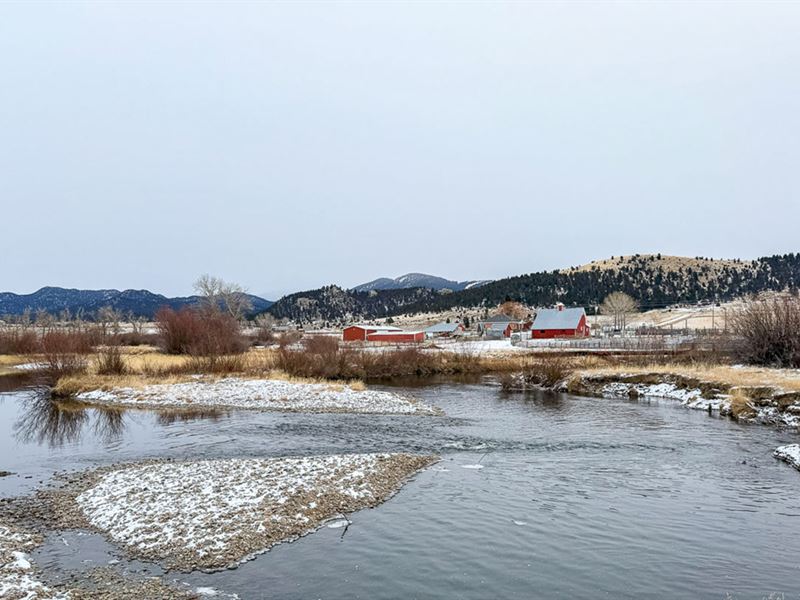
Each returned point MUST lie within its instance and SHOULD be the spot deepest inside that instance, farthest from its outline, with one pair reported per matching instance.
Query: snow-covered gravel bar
(262, 394)
(17, 574)
(214, 514)
(789, 454)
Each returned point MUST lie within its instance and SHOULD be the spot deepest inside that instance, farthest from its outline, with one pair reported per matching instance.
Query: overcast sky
(287, 146)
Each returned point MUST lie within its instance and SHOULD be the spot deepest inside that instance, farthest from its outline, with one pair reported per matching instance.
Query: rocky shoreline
(763, 404)
(260, 394)
(22, 579)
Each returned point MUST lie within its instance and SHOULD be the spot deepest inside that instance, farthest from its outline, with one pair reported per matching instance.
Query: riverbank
(747, 394)
(258, 394)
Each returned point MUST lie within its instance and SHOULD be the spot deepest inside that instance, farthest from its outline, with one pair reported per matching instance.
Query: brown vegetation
(199, 332)
(768, 331)
(109, 361)
(323, 357)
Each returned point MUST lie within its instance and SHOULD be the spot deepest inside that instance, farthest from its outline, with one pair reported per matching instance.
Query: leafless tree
(220, 295)
(108, 319)
(620, 305)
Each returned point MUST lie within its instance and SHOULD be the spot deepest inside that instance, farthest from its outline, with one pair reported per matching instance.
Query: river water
(536, 496)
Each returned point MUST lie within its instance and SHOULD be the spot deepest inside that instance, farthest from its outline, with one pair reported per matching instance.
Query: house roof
(498, 319)
(376, 327)
(443, 327)
(552, 318)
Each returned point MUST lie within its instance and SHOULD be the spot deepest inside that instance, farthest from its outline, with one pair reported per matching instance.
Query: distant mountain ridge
(417, 280)
(139, 303)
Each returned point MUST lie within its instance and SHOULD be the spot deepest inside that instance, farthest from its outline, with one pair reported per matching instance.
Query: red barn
(396, 336)
(359, 333)
(560, 322)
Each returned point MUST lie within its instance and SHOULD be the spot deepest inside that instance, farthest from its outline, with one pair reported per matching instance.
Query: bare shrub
(768, 331)
(547, 371)
(18, 341)
(288, 338)
(324, 358)
(137, 338)
(321, 344)
(199, 332)
(64, 352)
(109, 361)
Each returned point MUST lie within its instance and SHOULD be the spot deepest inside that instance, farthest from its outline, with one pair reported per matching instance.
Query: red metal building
(560, 322)
(396, 336)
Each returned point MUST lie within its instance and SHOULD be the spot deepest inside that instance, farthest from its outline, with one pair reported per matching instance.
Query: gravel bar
(214, 514)
(260, 394)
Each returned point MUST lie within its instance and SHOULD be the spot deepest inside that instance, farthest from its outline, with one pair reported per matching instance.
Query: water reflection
(183, 416)
(44, 420)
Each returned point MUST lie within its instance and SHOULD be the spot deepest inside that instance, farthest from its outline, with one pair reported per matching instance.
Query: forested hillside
(653, 280)
(335, 305)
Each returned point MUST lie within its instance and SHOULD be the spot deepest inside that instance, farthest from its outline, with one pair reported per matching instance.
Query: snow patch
(789, 454)
(17, 577)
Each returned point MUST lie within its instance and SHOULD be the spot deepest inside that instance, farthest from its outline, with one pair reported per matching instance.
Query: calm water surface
(575, 497)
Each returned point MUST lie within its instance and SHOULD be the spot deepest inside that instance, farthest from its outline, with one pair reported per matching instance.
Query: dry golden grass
(70, 385)
(9, 360)
(738, 376)
(741, 405)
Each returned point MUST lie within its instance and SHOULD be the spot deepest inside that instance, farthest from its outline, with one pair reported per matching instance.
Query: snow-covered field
(478, 347)
(263, 394)
(790, 454)
(17, 574)
(216, 513)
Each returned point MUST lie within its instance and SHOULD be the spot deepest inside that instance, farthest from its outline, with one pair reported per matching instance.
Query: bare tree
(220, 295)
(109, 320)
(620, 305)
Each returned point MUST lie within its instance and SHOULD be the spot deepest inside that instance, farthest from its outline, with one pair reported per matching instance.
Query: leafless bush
(18, 341)
(64, 352)
(110, 361)
(768, 331)
(325, 358)
(137, 338)
(199, 332)
(288, 338)
(547, 371)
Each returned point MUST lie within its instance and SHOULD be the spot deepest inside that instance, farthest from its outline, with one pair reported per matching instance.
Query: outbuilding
(560, 322)
(396, 336)
(444, 329)
(359, 333)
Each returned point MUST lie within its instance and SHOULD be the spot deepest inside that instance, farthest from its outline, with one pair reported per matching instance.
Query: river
(537, 495)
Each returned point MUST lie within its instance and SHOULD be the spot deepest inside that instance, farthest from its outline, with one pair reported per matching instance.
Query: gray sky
(286, 146)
